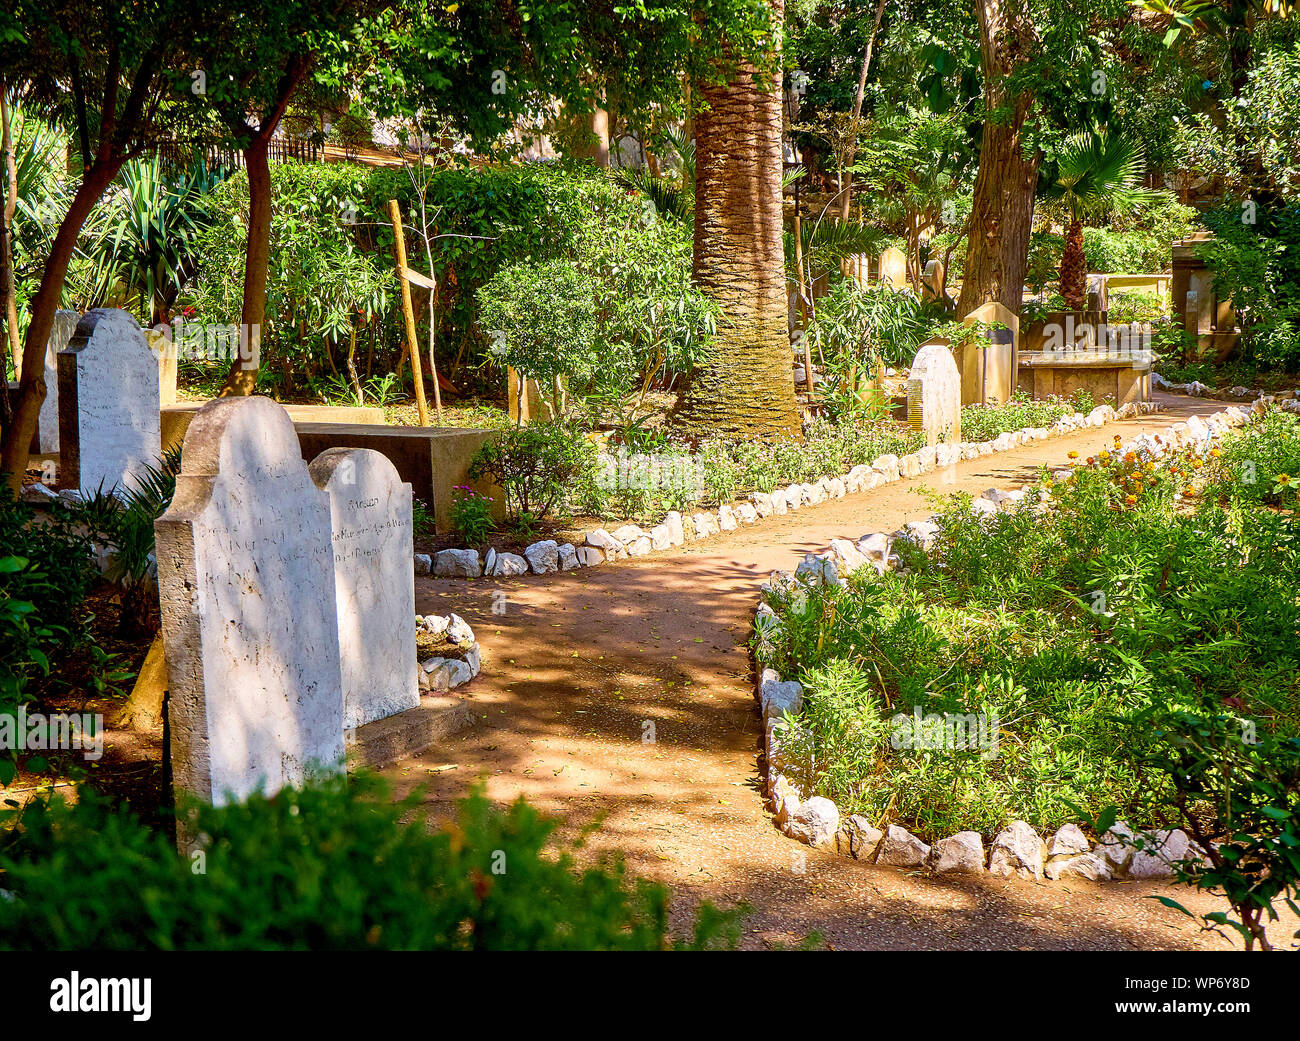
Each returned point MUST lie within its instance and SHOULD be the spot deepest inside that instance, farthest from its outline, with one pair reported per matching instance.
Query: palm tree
(744, 386)
(1096, 173)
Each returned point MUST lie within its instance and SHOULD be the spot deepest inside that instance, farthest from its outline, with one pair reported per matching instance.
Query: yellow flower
(1131, 499)
(1073, 455)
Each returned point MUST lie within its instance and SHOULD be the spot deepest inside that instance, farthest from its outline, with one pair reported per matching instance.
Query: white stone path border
(1017, 850)
(631, 540)
(1196, 389)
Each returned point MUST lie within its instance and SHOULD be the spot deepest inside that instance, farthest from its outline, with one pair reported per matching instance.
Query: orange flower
(1215, 452)
(1196, 464)
(1131, 499)
(1130, 457)
(1189, 492)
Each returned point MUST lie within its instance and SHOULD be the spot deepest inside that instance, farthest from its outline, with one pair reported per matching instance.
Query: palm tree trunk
(1074, 274)
(744, 386)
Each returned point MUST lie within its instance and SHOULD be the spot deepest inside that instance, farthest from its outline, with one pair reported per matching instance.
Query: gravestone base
(377, 744)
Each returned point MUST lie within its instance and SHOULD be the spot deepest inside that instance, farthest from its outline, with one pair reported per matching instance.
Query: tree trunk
(1074, 273)
(242, 377)
(744, 386)
(18, 437)
(1002, 213)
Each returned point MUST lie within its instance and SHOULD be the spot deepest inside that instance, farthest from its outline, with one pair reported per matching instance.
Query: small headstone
(47, 423)
(893, 268)
(109, 428)
(246, 584)
(932, 281)
(934, 394)
(374, 583)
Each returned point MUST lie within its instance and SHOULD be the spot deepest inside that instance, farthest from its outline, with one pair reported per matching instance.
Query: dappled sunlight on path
(622, 696)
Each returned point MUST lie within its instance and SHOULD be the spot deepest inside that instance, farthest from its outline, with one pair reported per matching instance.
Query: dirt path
(582, 665)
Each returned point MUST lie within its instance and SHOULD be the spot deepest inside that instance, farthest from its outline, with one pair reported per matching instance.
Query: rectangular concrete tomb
(374, 583)
(250, 630)
(433, 460)
(108, 404)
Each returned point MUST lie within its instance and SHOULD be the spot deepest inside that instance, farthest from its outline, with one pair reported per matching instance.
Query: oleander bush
(337, 865)
(1136, 590)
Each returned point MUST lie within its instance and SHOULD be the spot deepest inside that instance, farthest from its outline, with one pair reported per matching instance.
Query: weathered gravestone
(988, 373)
(893, 268)
(932, 281)
(374, 583)
(934, 394)
(109, 430)
(250, 633)
(47, 422)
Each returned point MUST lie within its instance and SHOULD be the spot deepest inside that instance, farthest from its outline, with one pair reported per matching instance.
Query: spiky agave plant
(1095, 172)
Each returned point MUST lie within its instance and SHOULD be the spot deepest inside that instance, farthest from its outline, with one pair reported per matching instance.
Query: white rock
(762, 503)
(815, 822)
(817, 571)
(458, 672)
(660, 537)
(875, 545)
(423, 562)
(590, 556)
(726, 518)
(458, 631)
(543, 557)
(676, 529)
(1163, 849)
(863, 838)
(457, 563)
(1068, 841)
(746, 513)
(706, 524)
(778, 697)
(1081, 865)
(507, 564)
(569, 557)
(900, 848)
(848, 556)
(1017, 850)
(961, 853)
(837, 489)
(602, 540)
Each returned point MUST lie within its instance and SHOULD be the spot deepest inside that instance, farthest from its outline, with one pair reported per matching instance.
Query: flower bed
(994, 665)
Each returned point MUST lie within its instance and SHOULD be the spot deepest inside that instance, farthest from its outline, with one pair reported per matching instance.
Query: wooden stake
(408, 312)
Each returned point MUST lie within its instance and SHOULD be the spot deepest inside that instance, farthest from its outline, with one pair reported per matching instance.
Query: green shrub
(471, 515)
(538, 466)
(1258, 266)
(61, 557)
(985, 422)
(540, 319)
(1259, 466)
(1069, 630)
(334, 866)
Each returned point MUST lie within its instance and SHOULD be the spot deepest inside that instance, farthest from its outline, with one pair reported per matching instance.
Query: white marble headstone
(934, 394)
(47, 424)
(374, 582)
(250, 633)
(109, 429)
